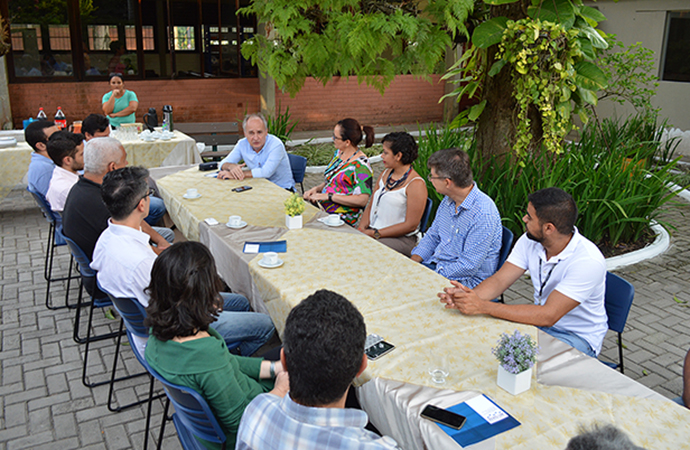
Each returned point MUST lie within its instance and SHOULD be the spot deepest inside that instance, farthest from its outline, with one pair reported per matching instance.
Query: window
(184, 38)
(676, 63)
(100, 36)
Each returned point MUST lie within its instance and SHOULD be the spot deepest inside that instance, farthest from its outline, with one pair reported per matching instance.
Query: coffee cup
(333, 219)
(234, 221)
(270, 258)
(192, 192)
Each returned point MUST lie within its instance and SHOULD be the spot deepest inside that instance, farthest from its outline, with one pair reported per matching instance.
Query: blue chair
(506, 244)
(132, 315)
(424, 223)
(55, 239)
(617, 301)
(298, 164)
(192, 416)
(98, 300)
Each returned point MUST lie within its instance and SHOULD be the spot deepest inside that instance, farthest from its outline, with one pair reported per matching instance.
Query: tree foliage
(372, 39)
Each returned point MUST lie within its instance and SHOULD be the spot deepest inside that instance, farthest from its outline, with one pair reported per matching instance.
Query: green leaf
(555, 11)
(592, 13)
(476, 110)
(586, 48)
(681, 302)
(499, 2)
(590, 33)
(589, 76)
(588, 96)
(497, 66)
(490, 32)
(109, 314)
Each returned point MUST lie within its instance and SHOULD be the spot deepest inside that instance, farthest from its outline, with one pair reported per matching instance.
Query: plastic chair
(424, 223)
(192, 416)
(298, 164)
(506, 244)
(132, 315)
(617, 301)
(55, 239)
(98, 300)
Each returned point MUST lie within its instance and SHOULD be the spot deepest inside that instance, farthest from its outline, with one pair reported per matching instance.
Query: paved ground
(43, 404)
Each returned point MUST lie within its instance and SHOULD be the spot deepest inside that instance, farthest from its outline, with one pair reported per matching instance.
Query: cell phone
(241, 188)
(444, 417)
(379, 349)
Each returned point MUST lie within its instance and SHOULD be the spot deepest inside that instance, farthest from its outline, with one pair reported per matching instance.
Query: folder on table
(485, 419)
(263, 247)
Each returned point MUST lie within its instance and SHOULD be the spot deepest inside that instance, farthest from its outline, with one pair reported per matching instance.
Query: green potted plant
(294, 207)
(516, 355)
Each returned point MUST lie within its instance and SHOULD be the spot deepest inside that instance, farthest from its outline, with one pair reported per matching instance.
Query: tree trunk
(497, 125)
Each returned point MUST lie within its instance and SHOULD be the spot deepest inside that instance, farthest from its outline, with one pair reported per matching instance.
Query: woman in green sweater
(186, 351)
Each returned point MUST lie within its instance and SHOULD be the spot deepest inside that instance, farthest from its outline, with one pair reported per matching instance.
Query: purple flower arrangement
(516, 353)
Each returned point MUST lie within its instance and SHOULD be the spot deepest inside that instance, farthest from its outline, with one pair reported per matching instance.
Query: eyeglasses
(151, 191)
(435, 178)
(336, 138)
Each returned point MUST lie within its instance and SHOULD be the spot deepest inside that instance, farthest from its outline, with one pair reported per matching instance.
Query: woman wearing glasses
(349, 178)
(393, 216)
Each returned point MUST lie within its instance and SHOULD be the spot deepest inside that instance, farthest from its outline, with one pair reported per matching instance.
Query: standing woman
(348, 176)
(120, 105)
(394, 213)
(185, 350)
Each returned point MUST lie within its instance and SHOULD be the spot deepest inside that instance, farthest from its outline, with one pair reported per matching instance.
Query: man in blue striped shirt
(464, 241)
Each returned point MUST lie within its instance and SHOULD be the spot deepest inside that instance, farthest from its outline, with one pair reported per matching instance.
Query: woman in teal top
(184, 350)
(120, 105)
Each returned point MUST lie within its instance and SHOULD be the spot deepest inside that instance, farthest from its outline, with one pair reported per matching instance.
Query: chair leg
(620, 352)
(88, 337)
(165, 419)
(49, 251)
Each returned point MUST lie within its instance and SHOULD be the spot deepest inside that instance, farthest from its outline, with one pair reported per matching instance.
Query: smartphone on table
(241, 188)
(443, 416)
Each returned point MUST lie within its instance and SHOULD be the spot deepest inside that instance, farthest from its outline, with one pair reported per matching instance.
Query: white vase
(293, 222)
(512, 382)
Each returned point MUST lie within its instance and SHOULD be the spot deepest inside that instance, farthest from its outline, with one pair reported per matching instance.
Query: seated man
(464, 240)
(67, 152)
(85, 215)
(41, 166)
(568, 274)
(263, 153)
(124, 258)
(95, 125)
(323, 351)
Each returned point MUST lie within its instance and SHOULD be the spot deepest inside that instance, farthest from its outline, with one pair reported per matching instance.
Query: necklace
(392, 184)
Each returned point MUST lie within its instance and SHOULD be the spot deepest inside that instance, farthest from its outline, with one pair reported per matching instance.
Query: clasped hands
(462, 298)
(313, 195)
(234, 172)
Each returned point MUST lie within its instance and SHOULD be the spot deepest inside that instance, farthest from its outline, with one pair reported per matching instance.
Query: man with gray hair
(263, 154)
(464, 240)
(602, 437)
(85, 216)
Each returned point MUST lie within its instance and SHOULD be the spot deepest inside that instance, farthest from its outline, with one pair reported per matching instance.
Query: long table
(397, 298)
(181, 149)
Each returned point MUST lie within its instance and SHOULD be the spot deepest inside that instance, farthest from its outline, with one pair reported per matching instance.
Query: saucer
(270, 266)
(340, 222)
(191, 197)
(242, 224)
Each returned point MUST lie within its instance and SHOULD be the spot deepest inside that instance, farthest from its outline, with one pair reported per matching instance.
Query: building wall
(407, 100)
(208, 100)
(645, 21)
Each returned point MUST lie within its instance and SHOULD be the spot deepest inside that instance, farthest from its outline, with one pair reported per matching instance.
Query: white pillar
(5, 110)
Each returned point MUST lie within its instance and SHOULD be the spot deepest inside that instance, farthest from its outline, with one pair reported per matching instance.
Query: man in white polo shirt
(568, 274)
(67, 151)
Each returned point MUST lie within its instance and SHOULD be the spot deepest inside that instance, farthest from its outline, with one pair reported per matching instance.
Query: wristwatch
(377, 235)
(330, 197)
(272, 369)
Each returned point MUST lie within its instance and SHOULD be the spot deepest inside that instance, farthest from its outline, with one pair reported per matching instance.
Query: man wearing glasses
(464, 241)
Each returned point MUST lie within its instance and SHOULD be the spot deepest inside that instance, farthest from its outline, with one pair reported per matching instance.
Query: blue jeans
(237, 325)
(166, 233)
(571, 339)
(156, 211)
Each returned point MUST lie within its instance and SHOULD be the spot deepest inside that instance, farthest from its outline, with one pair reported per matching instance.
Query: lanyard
(543, 283)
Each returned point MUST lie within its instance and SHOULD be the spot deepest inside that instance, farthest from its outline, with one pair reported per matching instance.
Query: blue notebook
(477, 428)
(263, 247)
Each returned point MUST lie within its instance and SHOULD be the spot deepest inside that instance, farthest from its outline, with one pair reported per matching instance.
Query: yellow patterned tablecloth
(14, 162)
(261, 206)
(179, 150)
(397, 298)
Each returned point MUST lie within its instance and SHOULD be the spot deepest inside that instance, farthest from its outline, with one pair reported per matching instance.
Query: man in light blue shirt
(263, 154)
(464, 241)
(41, 166)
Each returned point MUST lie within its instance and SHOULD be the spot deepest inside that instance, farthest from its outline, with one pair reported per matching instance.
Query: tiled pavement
(43, 404)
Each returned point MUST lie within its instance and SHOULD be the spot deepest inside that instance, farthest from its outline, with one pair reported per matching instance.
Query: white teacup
(192, 192)
(234, 221)
(333, 219)
(270, 258)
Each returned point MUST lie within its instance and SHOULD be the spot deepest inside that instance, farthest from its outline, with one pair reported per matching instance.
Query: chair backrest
(193, 416)
(132, 312)
(298, 164)
(43, 204)
(506, 243)
(424, 224)
(81, 258)
(617, 301)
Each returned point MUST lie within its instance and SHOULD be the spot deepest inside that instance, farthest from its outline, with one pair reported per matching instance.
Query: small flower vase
(514, 383)
(293, 222)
